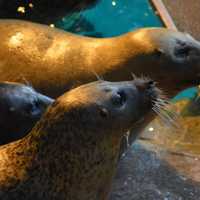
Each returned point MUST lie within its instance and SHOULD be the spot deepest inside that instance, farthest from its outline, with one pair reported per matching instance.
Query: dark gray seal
(72, 152)
(20, 108)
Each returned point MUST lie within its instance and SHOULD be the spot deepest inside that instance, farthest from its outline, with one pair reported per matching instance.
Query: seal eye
(33, 108)
(119, 98)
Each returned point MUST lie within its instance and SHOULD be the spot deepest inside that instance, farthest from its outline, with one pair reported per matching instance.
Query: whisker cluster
(162, 107)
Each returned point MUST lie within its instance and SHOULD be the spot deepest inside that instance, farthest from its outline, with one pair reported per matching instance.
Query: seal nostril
(119, 98)
(182, 52)
(122, 97)
(150, 84)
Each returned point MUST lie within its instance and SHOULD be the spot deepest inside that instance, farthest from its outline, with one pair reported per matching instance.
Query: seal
(54, 61)
(72, 152)
(20, 108)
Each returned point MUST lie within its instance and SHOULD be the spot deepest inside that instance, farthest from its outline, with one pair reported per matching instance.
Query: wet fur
(53, 61)
(68, 156)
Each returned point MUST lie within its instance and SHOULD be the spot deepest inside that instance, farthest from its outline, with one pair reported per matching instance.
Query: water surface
(110, 18)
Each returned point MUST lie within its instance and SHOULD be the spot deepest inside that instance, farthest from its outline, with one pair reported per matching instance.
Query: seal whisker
(26, 82)
(168, 116)
(133, 76)
(167, 107)
(145, 77)
(99, 78)
(157, 111)
(162, 106)
(162, 103)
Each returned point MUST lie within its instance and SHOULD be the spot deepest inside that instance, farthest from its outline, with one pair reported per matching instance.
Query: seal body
(72, 152)
(20, 108)
(53, 61)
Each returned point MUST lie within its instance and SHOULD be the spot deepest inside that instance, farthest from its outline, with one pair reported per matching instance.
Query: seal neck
(66, 151)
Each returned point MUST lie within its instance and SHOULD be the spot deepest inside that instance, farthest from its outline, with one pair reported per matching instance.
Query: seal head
(72, 152)
(20, 108)
(170, 57)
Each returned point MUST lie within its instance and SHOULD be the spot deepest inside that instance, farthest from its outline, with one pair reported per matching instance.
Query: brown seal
(71, 153)
(53, 60)
(20, 108)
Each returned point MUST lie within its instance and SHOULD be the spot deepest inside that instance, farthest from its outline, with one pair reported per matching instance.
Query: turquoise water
(111, 18)
(189, 93)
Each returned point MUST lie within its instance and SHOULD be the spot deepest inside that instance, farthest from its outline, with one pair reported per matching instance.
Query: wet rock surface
(145, 174)
(164, 163)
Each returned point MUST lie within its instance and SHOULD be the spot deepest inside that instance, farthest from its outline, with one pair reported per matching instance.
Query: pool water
(189, 93)
(110, 18)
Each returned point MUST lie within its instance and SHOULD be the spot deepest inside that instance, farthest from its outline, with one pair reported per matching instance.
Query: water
(189, 93)
(110, 18)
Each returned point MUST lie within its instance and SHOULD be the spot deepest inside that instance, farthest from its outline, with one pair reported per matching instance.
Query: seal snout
(149, 85)
(152, 90)
(149, 90)
(144, 84)
(186, 49)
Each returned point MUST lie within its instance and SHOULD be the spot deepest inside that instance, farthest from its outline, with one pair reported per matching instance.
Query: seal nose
(150, 84)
